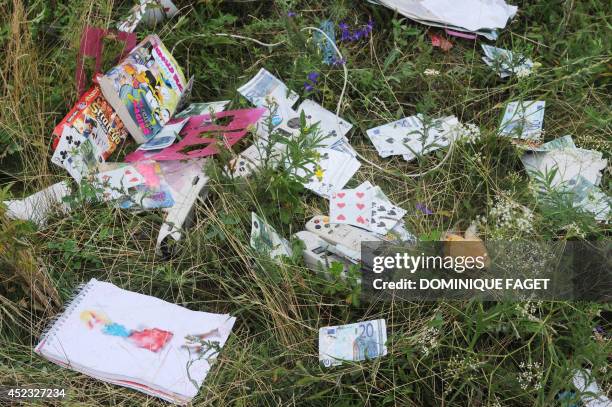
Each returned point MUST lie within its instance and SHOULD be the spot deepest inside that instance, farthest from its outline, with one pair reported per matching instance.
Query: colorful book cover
(95, 119)
(145, 88)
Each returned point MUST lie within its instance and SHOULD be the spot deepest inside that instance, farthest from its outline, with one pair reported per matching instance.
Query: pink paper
(192, 136)
(92, 45)
(460, 34)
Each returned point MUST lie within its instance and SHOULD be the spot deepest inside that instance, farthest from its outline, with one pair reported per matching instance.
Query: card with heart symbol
(351, 206)
(116, 183)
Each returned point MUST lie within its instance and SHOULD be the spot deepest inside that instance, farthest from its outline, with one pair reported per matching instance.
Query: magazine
(145, 88)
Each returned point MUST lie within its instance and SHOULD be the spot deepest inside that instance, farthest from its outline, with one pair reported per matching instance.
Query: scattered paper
(482, 17)
(523, 120)
(330, 173)
(265, 240)
(327, 48)
(40, 205)
(352, 342)
(151, 12)
(265, 90)
(505, 62)
(576, 171)
(411, 137)
(591, 396)
(195, 144)
(196, 109)
(165, 137)
(76, 153)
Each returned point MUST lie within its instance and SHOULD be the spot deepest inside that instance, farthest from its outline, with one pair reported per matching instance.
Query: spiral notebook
(135, 340)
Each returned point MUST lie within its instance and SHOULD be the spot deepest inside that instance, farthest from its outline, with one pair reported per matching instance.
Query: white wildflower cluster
(529, 309)
(429, 340)
(511, 217)
(431, 72)
(530, 376)
(466, 133)
(522, 71)
(574, 230)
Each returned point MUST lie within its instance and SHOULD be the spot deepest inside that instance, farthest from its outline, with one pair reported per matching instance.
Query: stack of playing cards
(330, 173)
(412, 136)
(574, 170)
(505, 62)
(366, 207)
(523, 120)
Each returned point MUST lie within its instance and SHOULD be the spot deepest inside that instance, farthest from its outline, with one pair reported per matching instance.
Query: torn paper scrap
(40, 205)
(523, 120)
(265, 240)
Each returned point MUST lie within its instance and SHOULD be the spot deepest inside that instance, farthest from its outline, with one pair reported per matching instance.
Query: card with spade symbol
(351, 206)
(385, 216)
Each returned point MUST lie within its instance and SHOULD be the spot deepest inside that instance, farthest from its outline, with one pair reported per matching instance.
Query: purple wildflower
(370, 26)
(308, 87)
(313, 77)
(291, 14)
(338, 61)
(344, 31)
(424, 209)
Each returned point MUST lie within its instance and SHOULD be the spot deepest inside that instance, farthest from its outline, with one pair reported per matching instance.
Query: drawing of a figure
(153, 339)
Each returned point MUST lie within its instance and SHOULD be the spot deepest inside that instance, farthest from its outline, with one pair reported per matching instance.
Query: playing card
(384, 216)
(330, 172)
(331, 127)
(116, 183)
(351, 206)
(76, 154)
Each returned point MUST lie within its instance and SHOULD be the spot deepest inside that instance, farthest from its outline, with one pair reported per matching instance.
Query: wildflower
(312, 79)
(530, 376)
(291, 14)
(468, 133)
(429, 340)
(431, 72)
(344, 31)
(511, 217)
(424, 209)
(338, 61)
(522, 72)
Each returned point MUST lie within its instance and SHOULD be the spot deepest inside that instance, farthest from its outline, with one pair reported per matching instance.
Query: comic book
(144, 88)
(94, 119)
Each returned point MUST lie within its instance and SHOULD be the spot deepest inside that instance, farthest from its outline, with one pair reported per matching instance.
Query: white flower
(431, 72)
(467, 133)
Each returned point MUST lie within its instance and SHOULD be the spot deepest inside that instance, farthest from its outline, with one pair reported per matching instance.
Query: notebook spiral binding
(56, 322)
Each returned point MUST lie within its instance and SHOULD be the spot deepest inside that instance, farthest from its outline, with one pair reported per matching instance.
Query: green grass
(451, 354)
